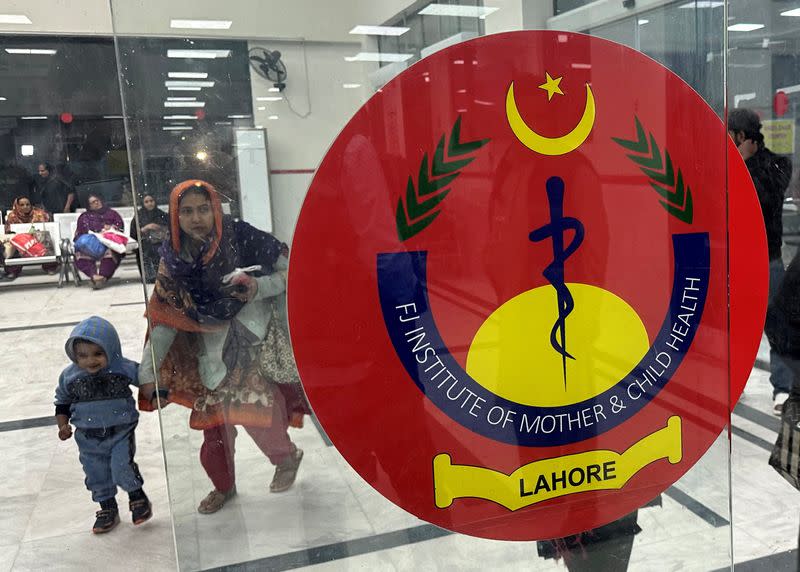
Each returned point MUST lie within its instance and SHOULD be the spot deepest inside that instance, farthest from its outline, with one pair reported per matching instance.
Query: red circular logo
(508, 292)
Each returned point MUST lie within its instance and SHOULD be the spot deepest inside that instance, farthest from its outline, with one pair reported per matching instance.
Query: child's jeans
(107, 459)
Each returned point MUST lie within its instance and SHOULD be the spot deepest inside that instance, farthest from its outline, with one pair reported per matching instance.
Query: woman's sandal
(286, 472)
(215, 500)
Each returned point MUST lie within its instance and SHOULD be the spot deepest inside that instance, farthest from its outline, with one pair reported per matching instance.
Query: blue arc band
(402, 287)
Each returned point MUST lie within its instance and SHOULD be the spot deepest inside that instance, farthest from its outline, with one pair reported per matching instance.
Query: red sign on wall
(508, 290)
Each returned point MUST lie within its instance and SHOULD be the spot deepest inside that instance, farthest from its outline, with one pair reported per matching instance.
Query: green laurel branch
(676, 196)
(422, 203)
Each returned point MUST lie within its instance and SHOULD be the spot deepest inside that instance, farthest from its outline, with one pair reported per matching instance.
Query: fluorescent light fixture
(238, 117)
(200, 24)
(457, 10)
(181, 99)
(378, 57)
(26, 150)
(113, 117)
(379, 30)
(31, 51)
(199, 54)
(703, 4)
(223, 123)
(184, 88)
(262, 108)
(14, 19)
(742, 97)
(188, 83)
(273, 117)
(795, 12)
(789, 89)
(184, 104)
(274, 90)
(188, 75)
(177, 128)
(3, 99)
(269, 98)
(643, 21)
(351, 85)
(744, 27)
(33, 117)
(179, 117)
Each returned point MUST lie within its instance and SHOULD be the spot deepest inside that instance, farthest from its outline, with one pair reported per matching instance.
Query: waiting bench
(62, 251)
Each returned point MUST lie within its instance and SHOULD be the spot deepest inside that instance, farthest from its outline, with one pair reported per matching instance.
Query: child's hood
(101, 332)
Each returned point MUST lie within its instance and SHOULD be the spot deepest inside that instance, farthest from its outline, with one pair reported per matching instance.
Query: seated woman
(155, 229)
(210, 317)
(23, 212)
(98, 217)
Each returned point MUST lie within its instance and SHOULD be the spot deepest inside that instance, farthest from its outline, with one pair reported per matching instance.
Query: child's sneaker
(141, 509)
(107, 516)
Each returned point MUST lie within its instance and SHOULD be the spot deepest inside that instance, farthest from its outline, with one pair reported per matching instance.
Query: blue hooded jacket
(102, 399)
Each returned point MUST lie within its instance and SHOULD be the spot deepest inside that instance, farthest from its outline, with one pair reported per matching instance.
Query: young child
(94, 394)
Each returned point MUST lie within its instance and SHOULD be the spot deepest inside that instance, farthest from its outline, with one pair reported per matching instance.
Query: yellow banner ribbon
(552, 478)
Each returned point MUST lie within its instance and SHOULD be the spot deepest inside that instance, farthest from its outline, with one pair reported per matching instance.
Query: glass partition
(549, 208)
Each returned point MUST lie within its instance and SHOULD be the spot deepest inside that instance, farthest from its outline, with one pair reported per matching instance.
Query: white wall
(316, 72)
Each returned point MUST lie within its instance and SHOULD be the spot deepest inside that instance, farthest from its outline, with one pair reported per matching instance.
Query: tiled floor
(330, 514)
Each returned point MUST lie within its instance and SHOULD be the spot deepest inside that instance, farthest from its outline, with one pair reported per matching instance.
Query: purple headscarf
(96, 219)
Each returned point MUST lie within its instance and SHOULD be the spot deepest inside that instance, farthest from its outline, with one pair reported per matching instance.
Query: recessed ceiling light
(33, 117)
(180, 117)
(379, 30)
(188, 83)
(269, 98)
(272, 117)
(457, 10)
(643, 21)
(744, 27)
(188, 75)
(184, 104)
(177, 128)
(184, 88)
(14, 19)
(262, 108)
(238, 117)
(201, 54)
(31, 51)
(795, 12)
(181, 99)
(26, 150)
(274, 90)
(3, 99)
(378, 57)
(703, 4)
(200, 24)
(351, 85)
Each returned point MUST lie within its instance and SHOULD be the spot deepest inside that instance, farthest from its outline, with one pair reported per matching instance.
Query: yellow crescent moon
(550, 145)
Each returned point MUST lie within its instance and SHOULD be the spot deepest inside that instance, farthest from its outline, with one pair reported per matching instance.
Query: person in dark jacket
(56, 194)
(771, 174)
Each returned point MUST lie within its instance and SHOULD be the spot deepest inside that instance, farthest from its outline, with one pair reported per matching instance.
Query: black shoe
(107, 519)
(141, 510)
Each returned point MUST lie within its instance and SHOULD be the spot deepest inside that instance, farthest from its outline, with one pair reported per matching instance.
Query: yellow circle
(512, 357)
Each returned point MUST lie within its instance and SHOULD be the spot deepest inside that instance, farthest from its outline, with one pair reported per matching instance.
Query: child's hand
(65, 432)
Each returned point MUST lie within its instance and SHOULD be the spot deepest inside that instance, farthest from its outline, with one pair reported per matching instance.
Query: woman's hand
(245, 295)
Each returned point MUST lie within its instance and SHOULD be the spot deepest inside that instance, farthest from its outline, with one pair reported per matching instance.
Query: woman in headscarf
(97, 218)
(220, 284)
(23, 212)
(155, 229)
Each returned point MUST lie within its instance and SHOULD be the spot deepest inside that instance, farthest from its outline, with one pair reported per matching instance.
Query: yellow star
(551, 86)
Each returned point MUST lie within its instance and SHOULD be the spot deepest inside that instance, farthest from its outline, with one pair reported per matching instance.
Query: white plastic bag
(126, 247)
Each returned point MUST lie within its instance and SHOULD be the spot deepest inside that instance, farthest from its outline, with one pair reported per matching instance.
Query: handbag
(27, 245)
(116, 241)
(89, 245)
(276, 359)
(45, 240)
(785, 457)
